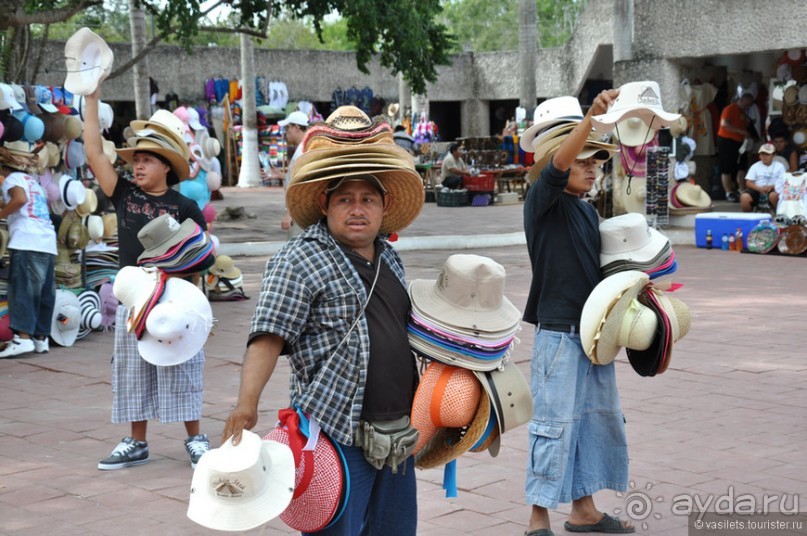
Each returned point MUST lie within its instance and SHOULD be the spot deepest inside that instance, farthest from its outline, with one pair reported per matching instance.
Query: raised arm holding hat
(159, 159)
(577, 405)
(333, 300)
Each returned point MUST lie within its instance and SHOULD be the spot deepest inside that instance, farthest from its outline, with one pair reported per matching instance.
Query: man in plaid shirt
(334, 301)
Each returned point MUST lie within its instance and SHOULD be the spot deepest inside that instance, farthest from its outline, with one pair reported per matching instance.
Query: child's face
(779, 143)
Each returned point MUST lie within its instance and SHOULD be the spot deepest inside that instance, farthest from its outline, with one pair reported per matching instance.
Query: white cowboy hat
(238, 488)
(89, 61)
(167, 125)
(629, 238)
(636, 99)
(599, 305)
(469, 294)
(178, 326)
(692, 195)
(550, 113)
(66, 318)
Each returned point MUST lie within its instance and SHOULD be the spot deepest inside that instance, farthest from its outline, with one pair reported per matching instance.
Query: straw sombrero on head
(347, 157)
(175, 159)
(593, 147)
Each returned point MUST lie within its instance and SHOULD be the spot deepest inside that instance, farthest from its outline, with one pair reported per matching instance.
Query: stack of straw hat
(350, 144)
(553, 120)
(161, 134)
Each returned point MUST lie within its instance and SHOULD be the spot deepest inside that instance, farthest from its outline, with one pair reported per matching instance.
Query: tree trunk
(140, 70)
(250, 173)
(527, 48)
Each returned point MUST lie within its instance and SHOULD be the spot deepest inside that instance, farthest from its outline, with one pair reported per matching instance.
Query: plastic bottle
(732, 242)
(708, 239)
(725, 246)
(738, 240)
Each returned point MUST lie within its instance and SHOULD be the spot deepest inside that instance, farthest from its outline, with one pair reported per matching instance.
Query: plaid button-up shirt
(311, 295)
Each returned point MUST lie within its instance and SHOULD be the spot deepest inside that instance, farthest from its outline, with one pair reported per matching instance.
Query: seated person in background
(403, 139)
(453, 168)
(786, 150)
(761, 180)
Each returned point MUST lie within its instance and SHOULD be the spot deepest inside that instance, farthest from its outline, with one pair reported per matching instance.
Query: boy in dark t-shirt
(142, 391)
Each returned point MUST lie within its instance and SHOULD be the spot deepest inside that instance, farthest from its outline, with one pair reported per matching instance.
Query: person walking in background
(730, 137)
(294, 127)
(142, 391)
(577, 442)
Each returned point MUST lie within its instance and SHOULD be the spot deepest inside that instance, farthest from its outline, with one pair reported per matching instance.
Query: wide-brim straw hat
(176, 160)
(629, 238)
(633, 132)
(335, 149)
(636, 99)
(66, 319)
(450, 443)
(468, 293)
(598, 307)
(168, 126)
(109, 150)
(446, 396)
(692, 195)
(238, 488)
(88, 60)
(593, 147)
(629, 324)
(54, 154)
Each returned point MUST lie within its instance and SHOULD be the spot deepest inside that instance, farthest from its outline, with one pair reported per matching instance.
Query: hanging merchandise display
(656, 200)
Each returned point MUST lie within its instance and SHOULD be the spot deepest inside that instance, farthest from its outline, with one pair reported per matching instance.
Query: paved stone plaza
(729, 417)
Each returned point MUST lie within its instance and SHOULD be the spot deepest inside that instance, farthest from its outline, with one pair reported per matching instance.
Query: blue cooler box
(725, 223)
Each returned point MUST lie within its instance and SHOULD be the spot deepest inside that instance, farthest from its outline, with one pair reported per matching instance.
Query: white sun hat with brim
(548, 114)
(629, 238)
(178, 325)
(629, 325)
(599, 305)
(166, 124)
(88, 60)
(469, 293)
(66, 319)
(633, 132)
(134, 286)
(73, 193)
(692, 195)
(636, 99)
(238, 488)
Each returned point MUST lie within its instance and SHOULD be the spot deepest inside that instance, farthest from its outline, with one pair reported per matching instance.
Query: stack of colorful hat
(626, 310)
(466, 326)
(224, 281)
(175, 248)
(463, 318)
(163, 134)
(553, 120)
(629, 243)
(350, 144)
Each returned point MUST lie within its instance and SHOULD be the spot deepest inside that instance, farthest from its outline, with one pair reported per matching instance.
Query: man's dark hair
(399, 128)
(453, 147)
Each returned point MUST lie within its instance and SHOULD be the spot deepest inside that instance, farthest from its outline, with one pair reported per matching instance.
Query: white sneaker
(41, 347)
(17, 346)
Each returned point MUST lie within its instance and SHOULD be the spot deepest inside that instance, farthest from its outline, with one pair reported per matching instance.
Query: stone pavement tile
(465, 520)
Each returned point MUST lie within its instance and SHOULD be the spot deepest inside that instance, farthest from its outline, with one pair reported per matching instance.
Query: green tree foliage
(483, 26)
(406, 35)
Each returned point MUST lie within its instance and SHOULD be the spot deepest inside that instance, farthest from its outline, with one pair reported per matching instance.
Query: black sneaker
(732, 197)
(129, 452)
(196, 446)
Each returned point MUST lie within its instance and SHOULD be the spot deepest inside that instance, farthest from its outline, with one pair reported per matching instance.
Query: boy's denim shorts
(577, 443)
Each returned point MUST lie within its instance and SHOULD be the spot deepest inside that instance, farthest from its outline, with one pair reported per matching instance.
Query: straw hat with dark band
(350, 144)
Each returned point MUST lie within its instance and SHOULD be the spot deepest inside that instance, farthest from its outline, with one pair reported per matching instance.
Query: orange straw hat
(446, 397)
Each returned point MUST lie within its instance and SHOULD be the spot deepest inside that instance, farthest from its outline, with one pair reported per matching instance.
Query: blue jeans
(577, 443)
(380, 503)
(31, 292)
